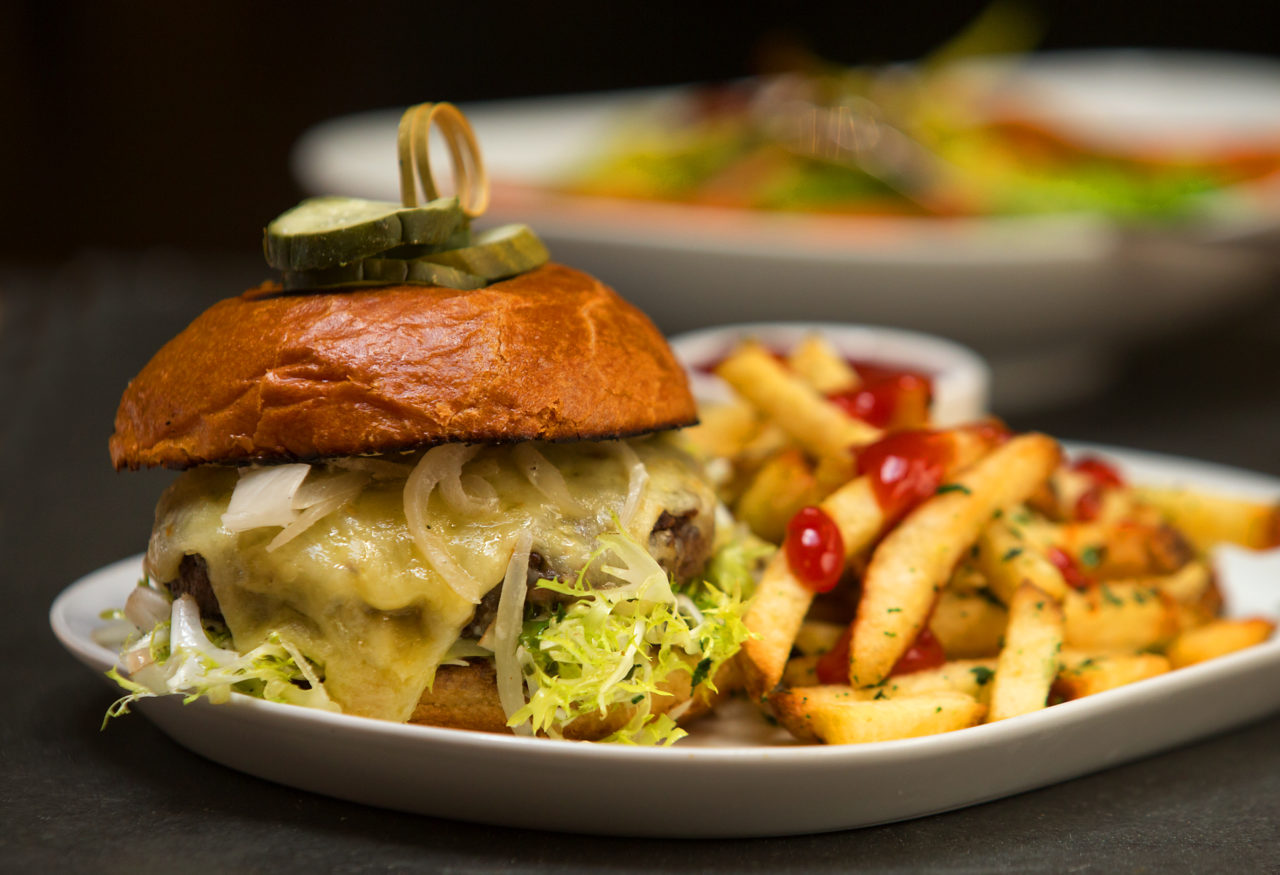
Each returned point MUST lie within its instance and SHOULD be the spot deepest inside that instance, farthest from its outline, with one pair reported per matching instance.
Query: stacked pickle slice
(331, 242)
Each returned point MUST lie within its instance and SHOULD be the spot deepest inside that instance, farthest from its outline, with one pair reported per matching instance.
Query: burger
(458, 507)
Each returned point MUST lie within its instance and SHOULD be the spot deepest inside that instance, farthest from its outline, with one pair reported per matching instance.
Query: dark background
(131, 124)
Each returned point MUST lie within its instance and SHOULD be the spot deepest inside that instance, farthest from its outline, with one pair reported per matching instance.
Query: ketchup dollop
(815, 549)
(887, 397)
(924, 653)
(1100, 472)
(1103, 476)
(1089, 505)
(1071, 572)
(833, 666)
(905, 468)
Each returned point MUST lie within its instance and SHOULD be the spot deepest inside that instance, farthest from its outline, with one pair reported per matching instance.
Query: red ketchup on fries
(1103, 476)
(887, 397)
(1071, 573)
(815, 549)
(905, 467)
(924, 653)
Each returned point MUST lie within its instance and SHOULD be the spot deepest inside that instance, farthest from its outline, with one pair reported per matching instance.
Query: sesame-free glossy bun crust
(552, 354)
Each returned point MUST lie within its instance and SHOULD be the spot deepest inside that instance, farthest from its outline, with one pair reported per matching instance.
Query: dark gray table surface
(73, 798)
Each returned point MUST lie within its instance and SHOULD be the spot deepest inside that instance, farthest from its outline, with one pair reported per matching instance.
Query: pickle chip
(329, 232)
(420, 271)
(382, 272)
(496, 253)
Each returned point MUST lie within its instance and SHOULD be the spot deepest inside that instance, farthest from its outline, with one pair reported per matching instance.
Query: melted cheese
(354, 592)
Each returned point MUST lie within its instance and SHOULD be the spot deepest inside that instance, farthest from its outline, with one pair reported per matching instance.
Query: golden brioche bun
(552, 354)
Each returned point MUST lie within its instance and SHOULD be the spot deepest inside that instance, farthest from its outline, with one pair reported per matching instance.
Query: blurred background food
(1056, 221)
(138, 106)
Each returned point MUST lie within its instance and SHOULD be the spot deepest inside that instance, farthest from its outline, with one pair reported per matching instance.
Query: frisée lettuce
(178, 656)
(632, 644)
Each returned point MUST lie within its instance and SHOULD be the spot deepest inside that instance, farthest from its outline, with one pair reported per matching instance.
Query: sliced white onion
(319, 490)
(136, 660)
(186, 634)
(145, 607)
(380, 469)
(450, 459)
(506, 630)
(687, 605)
(319, 499)
(680, 710)
(114, 633)
(464, 648)
(547, 479)
(264, 497)
(482, 493)
(643, 578)
(637, 478)
(434, 465)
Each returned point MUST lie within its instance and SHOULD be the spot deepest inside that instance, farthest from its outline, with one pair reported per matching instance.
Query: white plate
(1045, 298)
(735, 775)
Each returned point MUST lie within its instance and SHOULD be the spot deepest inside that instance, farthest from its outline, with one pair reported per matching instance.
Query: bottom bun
(466, 697)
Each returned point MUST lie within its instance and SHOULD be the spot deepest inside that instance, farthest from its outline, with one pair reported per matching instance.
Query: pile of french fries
(1031, 603)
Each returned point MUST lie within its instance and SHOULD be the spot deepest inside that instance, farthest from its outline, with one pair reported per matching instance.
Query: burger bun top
(552, 354)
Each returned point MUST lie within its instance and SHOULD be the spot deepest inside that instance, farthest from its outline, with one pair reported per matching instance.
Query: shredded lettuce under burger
(629, 644)
(179, 655)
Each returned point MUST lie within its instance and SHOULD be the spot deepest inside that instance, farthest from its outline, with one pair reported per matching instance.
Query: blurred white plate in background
(1047, 299)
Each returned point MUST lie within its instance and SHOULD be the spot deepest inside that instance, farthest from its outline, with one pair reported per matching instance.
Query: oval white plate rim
(1066, 236)
(765, 761)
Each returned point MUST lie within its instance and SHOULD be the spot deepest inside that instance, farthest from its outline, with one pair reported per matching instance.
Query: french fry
(1106, 672)
(817, 425)
(1028, 662)
(1188, 584)
(781, 486)
(1218, 638)
(818, 364)
(968, 625)
(816, 637)
(723, 430)
(968, 578)
(781, 601)
(914, 560)
(1007, 560)
(1068, 487)
(843, 715)
(969, 676)
(1190, 593)
(1212, 519)
(1073, 657)
(1042, 582)
(801, 671)
(1130, 548)
(1119, 616)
